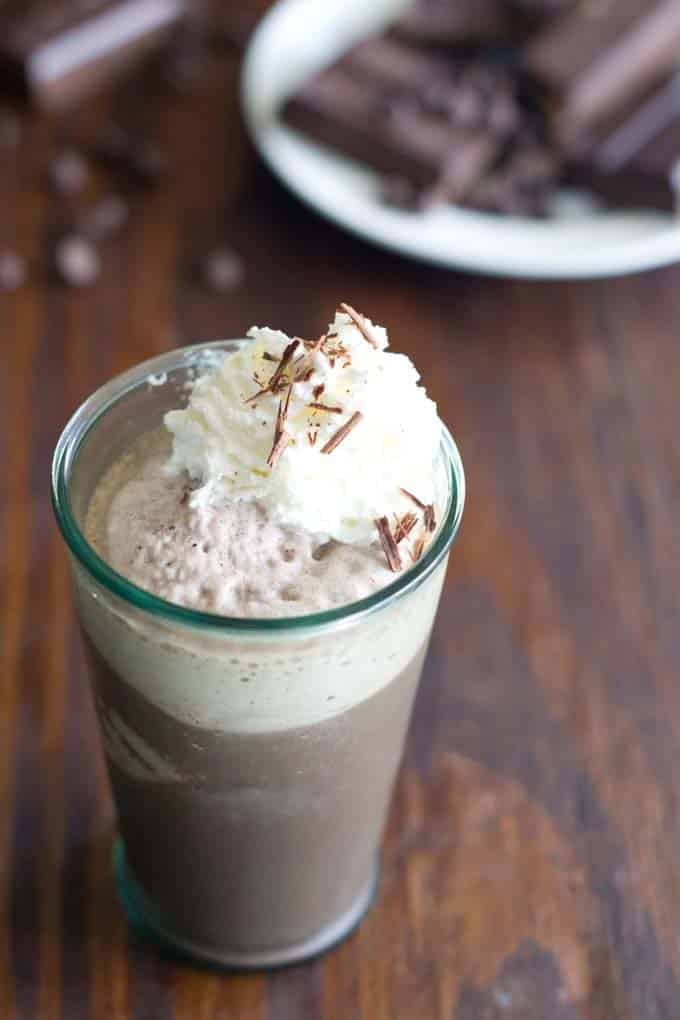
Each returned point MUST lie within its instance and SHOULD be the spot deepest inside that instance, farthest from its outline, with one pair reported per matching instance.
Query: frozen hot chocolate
(252, 751)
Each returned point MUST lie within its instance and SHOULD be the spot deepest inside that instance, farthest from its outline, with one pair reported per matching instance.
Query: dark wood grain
(530, 864)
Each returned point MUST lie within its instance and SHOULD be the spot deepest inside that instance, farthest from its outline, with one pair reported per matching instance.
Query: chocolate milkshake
(257, 572)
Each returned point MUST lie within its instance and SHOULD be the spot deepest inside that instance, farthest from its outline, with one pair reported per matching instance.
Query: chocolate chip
(223, 270)
(69, 172)
(145, 164)
(139, 161)
(76, 261)
(105, 217)
(12, 271)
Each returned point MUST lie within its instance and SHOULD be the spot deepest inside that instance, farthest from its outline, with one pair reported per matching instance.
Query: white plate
(299, 36)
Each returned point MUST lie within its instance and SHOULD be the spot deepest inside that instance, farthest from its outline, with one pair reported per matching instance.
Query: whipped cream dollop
(323, 434)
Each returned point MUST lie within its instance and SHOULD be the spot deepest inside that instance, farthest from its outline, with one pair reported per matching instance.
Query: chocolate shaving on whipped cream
(280, 444)
(429, 519)
(281, 437)
(418, 549)
(342, 433)
(276, 382)
(388, 544)
(360, 323)
(405, 526)
(328, 408)
(414, 499)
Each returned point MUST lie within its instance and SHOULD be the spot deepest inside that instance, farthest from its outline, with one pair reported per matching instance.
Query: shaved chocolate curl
(360, 323)
(388, 544)
(342, 433)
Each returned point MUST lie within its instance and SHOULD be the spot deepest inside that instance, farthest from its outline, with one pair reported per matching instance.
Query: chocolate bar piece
(393, 135)
(57, 51)
(474, 129)
(453, 21)
(542, 8)
(601, 55)
(390, 63)
(526, 17)
(537, 12)
(634, 160)
(469, 93)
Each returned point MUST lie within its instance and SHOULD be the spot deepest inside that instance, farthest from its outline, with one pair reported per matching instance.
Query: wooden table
(532, 861)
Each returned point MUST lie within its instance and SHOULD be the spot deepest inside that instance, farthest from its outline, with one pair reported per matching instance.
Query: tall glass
(251, 761)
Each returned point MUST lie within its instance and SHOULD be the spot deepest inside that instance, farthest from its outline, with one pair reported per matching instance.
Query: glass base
(140, 916)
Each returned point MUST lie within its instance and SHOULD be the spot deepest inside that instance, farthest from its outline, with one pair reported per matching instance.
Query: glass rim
(96, 406)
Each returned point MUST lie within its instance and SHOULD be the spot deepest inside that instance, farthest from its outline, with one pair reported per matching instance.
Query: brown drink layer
(254, 841)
